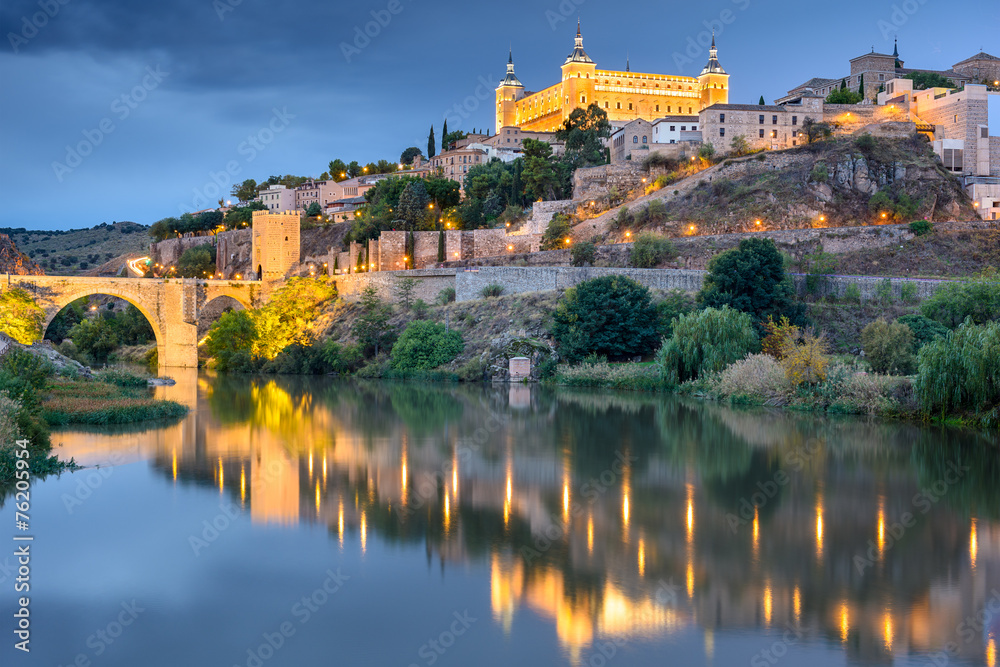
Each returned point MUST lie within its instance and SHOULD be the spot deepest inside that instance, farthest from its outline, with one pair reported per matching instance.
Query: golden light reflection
(222, 477)
(881, 527)
(310, 464)
(317, 497)
(797, 605)
(565, 502)
(991, 653)
(175, 464)
(690, 512)
(625, 508)
(642, 557)
(324, 469)
(845, 622)
(447, 513)
(243, 485)
(819, 529)
(768, 603)
(756, 534)
(690, 579)
(590, 533)
(340, 522)
(454, 472)
(509, 495)
(973, 545)
(403, 477)
(709, 643)
(888, 631)
(364, 533)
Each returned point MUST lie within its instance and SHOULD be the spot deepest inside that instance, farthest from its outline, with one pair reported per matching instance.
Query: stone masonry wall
(168, 252)
(232, 254)
(594, 182)
(430, 282)
(995, 156)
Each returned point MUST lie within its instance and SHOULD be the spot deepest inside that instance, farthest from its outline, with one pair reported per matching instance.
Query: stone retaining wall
(430, 282)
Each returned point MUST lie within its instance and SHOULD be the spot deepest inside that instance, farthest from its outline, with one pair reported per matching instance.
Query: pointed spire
(713, 66)
(895, 47)
(713, 39)
(511, 78)
(578, 27)
(578, 55)
(627, 64)
(510, 57)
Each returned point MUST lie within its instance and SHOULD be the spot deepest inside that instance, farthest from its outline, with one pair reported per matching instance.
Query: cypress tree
(411, 247)
(843, 84)
(431, 144)
(444, 136)
(761, 102)
(336, 264)
(441, 246)
(861, 86)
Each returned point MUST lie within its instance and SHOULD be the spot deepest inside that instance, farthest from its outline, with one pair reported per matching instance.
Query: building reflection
(608, 520)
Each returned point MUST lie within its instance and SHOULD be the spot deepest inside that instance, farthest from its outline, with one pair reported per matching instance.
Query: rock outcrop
(15, 262)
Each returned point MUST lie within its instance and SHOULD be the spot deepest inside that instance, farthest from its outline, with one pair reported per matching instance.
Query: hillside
(15, 262)
(843, 182)
(76, 251)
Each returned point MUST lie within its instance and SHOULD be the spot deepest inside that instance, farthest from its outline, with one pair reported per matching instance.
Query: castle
(624, 96)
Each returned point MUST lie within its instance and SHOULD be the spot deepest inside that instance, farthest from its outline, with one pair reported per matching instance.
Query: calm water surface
(300, 521)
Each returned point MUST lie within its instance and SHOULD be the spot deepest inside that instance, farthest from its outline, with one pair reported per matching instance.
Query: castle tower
(713, 80)
(578, 78)
(509, 92)
(275, 243)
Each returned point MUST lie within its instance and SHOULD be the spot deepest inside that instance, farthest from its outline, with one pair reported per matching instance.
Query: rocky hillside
(845, 182)
(14, 261)
(76, 251)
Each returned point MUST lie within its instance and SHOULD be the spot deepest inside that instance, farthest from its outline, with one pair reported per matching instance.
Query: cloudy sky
(136, 110)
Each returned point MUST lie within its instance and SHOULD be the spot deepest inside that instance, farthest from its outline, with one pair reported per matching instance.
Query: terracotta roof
(982, 55)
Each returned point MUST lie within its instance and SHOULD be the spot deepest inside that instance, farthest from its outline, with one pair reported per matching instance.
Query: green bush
(447, 295)
(424, 345)
(819, 173)
(953, 302)
(852, 294)
(649, 250)
(491, 290)
(230, 341)
(23, 377)
(342, 359)
(888, 347)
(197, 262)
(924, 330)
(583, 253)
(20, 317)
(752, 279)
(626, 377)
(921, 227)
(961, 372)
(908, 292)
(883, 292)
(706, 342)
(623, 219)
(121, 378)
(674, 304)
(611, 315)
(556, 233)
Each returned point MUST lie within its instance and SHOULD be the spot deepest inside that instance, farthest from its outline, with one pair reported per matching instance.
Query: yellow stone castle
(625, 96)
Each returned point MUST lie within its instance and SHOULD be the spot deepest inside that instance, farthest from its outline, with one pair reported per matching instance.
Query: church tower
(509, 92)
(578, 78)
(713, 80)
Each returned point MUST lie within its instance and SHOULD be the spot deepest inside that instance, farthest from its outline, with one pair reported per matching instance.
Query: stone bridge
(172, 306)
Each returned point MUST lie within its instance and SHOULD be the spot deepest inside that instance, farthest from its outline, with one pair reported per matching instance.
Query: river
(315, 521)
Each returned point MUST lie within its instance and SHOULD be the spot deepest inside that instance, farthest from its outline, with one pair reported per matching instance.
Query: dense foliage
(953, 302)
(612, 316)
(425, 345)
(20, 316)
(924, 330)
(197, 262)
(706, 342)
(752, 279)
(962, 371)
(888, 347)
(650, 250)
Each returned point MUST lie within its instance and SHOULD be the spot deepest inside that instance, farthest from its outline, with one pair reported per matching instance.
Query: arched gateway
(171, 305)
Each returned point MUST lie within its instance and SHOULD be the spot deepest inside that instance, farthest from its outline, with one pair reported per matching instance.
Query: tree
(583, 133)
(888, 346)
(925, 80)
(953, 302)
(96, 337)
(20, 317)
(444, 136)
(453, 137)
(760, 102)
(425, 345)
(814, 130)
(231, 340)
(444, 192)
(843, 96)
(431, 144)
(385, 167)
(739, 145)
(404, 291)
(961, 371)
(706, 341)
(611, 316)
(354, 169)
(314, 210)
(441, 256)
(541, 181)
(861, 86)
(245, 191)
(338, 170)
(752, 279)
(371, 328)
(556, 233)
(843, 84)
(409, 154)
(413, 205)
(649, 250)
(197, 262)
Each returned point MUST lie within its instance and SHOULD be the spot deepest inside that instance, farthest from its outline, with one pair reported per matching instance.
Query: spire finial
(510, 57)
(713, 39)
(627, 67)
(578, 26)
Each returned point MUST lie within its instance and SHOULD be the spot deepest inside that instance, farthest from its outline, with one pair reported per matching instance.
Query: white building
(675, 129)
(277, 198)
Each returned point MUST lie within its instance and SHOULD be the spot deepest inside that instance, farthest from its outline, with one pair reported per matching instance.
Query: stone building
(456, 163)
(275, 243)
(277, 198)
(624, 95)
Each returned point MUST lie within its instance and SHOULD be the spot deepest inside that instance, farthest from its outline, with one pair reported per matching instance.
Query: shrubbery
(674, 304)
(424, 345)
(962, 371)
(888, 347)
(583, 253)
(612, 316)
(706, 342)
(649, 250)
(197, 262)
(921, 227)
(924, 330)
(20, 317)
(953, 302)
(556, 233)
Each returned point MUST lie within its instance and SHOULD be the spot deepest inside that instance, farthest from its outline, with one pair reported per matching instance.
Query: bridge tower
(276, 246)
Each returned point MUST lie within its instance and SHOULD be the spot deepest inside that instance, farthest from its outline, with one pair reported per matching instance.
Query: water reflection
(615, 516)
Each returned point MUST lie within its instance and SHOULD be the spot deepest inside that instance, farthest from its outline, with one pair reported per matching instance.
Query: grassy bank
(94, 402)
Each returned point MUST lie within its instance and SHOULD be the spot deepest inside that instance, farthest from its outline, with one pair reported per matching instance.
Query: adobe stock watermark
(218, 182)
(485, 92)
(302, 611)
(796, 459)
(566, 10)
(434, 648)
(87, 483)
(122, 107)
(696, 46)
(364, 34)
(779, 649)
(223, 7)
(968, 629)
(31, 25)
(898, 17)
(104, 637)
(922, 502)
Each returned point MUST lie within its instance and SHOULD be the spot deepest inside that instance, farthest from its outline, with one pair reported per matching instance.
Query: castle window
(606, 105)
(722, 118)
(635, 140)
(774, 134)
(689, 111)
(583, 99)
(629, 106)
(618, 105)
(761, 117)
(644, 139)
(761, 133)
(722, 131)
(795, 120)
(657, 108)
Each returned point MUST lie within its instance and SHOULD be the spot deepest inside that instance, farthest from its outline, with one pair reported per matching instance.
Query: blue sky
(131, 110)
